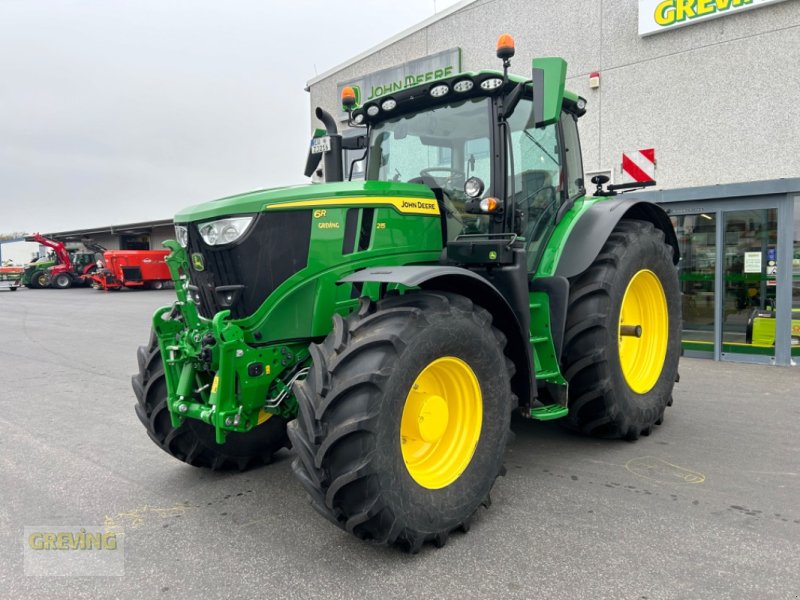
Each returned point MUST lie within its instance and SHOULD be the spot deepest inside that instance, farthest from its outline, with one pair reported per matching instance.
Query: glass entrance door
(697, 274)
(750, 282)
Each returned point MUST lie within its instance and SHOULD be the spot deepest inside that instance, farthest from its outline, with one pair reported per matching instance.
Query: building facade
(709, 85)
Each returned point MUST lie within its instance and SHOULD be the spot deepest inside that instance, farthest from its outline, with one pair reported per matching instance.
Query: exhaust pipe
(334, 170)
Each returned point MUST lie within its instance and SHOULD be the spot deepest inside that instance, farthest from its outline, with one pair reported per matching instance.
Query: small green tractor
(386, 329)
(34, 275)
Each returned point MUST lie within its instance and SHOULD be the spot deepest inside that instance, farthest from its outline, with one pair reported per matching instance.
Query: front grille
(274, 248)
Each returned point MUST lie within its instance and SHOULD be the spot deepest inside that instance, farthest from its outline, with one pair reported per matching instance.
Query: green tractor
(388, 328)
(34, 275)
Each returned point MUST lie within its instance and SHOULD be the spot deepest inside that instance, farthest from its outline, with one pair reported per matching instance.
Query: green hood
(253, 202)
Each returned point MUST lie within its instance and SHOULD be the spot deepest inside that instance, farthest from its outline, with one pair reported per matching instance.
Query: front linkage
(211, 373)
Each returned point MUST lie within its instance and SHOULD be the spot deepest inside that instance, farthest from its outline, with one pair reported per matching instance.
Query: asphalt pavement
(708, 506)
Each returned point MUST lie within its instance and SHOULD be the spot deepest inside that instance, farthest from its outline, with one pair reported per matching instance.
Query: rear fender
(596, 224)
(481, 292)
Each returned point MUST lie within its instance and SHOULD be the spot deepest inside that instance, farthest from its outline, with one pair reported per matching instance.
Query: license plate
(320, 145)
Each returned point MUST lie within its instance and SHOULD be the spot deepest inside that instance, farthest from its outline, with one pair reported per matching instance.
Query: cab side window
(536, 178)
(572, 151)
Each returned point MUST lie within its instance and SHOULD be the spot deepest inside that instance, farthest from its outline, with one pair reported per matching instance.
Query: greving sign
(660, 15)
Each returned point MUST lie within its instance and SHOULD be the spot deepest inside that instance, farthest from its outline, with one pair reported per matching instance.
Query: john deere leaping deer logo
(197, 262)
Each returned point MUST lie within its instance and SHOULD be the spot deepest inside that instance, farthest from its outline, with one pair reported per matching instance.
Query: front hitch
(212, 374)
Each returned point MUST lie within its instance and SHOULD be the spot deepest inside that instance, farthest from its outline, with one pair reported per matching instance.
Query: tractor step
(548, 412)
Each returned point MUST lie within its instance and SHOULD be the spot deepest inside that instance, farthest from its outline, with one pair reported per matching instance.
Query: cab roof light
(491, 84)
(440, 90)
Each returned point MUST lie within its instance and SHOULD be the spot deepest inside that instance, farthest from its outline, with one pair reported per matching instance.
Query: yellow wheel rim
(441, 422)
(643, 306)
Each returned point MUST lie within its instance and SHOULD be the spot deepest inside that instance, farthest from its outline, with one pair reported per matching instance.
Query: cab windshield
(441, 148)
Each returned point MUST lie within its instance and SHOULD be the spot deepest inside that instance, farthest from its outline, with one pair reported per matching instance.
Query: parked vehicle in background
(10, 278)
(132, 269)
(34, 275)
(63, 272)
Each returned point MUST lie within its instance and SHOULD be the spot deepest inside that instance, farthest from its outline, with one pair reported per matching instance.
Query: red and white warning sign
(639, 166)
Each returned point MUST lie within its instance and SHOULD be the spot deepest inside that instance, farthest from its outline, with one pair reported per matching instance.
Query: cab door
(544, 172)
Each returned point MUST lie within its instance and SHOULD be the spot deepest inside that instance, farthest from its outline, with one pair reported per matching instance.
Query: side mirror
(549, 76)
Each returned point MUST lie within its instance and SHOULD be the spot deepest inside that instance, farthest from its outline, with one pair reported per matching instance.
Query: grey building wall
(716, 99)
(159, 235)
(110, 241)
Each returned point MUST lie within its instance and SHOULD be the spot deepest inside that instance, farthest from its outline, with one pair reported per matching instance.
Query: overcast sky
(116, 111)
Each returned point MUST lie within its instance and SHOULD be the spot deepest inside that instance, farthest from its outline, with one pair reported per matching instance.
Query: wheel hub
(433, 417)
(643, 331)
(441, 422)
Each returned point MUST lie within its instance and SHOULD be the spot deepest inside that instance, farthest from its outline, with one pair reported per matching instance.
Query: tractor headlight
(473, 187)
(182, 235)
(224, 231)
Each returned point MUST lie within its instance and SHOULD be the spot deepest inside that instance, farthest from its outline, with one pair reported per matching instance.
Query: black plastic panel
(273, 249)
(132, 273)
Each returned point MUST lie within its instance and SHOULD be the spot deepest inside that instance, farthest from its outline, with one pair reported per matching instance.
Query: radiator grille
(273, 249)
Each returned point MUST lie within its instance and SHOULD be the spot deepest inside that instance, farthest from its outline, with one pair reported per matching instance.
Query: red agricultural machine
(131, 269)
(69, 268)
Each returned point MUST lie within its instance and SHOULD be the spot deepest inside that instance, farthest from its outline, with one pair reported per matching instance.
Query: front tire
(193, 442)
(404, 418)
(621, 384)
(38, 280)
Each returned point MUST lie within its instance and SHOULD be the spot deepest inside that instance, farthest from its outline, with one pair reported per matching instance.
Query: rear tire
(193, 442)
(616, 393)
(62, 281)
(362, 466)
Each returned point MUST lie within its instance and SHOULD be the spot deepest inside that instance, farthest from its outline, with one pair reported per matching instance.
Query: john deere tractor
(388, 328)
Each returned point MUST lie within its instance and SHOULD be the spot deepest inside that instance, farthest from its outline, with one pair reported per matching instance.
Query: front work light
(224, 231)
(182, 235)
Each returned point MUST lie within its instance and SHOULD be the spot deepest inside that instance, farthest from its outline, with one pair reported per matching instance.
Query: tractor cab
(500, 153)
